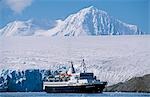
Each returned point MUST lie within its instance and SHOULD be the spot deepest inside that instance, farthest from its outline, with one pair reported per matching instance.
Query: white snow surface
(91, 21)
(112, 58)
(88, 21)
(18, 28)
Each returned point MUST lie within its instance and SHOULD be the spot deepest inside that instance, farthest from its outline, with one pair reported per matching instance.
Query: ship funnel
(71, 69)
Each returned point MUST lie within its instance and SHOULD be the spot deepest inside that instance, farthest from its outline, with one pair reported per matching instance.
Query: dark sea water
(43, 94)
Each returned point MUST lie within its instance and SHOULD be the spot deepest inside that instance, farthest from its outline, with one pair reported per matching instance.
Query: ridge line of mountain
(89, 21)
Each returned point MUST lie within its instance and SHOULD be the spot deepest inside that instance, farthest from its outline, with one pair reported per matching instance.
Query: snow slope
(91, 21)
(25, 28)
(111, 58)
(18, 28)
(88, 21)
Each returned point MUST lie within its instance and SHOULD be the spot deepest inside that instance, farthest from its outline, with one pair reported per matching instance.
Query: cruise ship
(72, 82)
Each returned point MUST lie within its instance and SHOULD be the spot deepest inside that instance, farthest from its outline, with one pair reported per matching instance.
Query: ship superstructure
(72, 82)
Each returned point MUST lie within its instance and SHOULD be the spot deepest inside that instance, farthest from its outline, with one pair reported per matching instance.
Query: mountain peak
(18, 28)
(93, 10)
(86, 22)
(92, 21)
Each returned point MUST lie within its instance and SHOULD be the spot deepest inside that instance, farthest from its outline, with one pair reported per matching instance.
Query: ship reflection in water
(72, 82)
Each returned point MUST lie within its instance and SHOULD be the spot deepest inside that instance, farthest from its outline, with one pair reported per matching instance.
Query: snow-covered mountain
(91, 21)
(88, 21)
(18, 28)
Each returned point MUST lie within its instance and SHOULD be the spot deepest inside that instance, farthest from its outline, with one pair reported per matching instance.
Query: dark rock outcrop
(136, 84)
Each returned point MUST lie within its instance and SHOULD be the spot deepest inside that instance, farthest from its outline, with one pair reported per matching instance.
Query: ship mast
(83, 66)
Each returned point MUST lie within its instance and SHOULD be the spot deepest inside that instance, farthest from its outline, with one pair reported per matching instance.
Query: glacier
(88, 21)
(112, 58)
(22, 80)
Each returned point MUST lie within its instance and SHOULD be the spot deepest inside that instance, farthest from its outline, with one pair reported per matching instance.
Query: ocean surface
(43, 94)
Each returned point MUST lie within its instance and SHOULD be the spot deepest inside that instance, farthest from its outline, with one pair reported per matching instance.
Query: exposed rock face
(136, 84)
